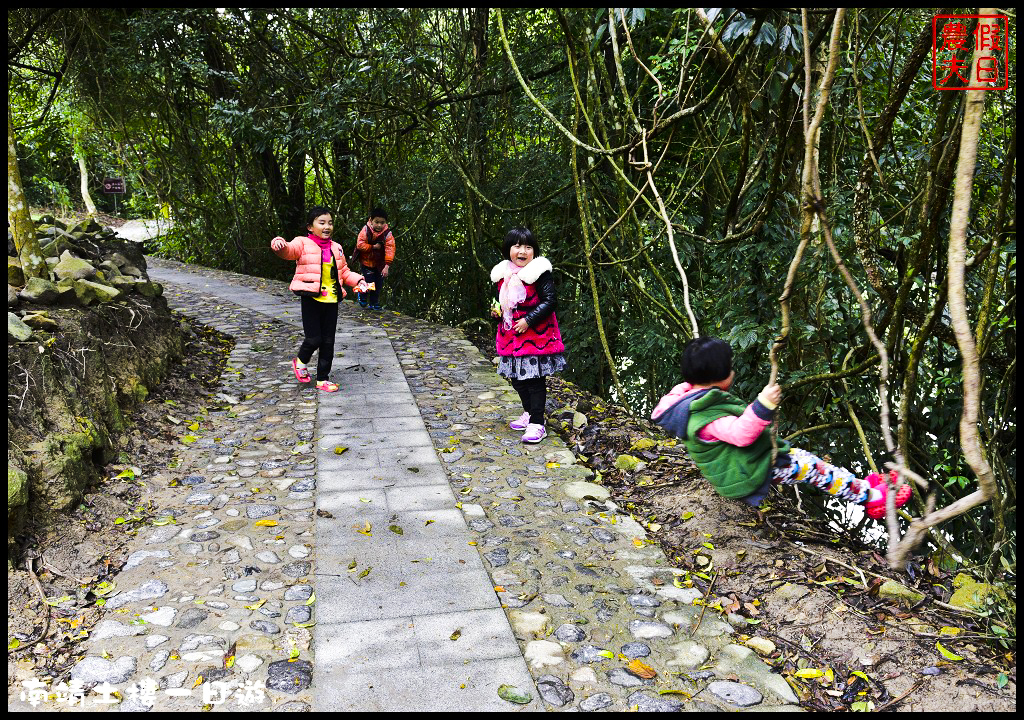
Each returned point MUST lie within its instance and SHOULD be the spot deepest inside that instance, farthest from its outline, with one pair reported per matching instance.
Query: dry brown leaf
(641, 669)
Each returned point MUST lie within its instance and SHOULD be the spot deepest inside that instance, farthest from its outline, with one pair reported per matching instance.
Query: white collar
(529, 274)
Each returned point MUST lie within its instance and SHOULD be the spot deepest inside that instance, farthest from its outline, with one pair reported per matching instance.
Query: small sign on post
(115, 187)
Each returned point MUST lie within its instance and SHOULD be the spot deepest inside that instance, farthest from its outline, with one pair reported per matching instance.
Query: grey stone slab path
(407, 616)
(394, 546)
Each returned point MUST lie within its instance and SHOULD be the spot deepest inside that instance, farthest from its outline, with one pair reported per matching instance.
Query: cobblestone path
(398, 543)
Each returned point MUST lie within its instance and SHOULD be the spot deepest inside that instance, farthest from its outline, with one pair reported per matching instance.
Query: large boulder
(17, 329)
(101, 291)
(40, 291)
(74, 268)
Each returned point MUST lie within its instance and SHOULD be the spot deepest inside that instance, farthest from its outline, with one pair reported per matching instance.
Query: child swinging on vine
(731, 443)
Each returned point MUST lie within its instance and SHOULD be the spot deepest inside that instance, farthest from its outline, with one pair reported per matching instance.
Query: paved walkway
(394, 546)
(397, 574)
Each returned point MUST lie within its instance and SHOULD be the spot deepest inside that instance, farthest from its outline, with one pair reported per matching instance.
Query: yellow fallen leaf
(266, 522)
(499, 588)
(808, 673)
(952, 657)
(256, 606)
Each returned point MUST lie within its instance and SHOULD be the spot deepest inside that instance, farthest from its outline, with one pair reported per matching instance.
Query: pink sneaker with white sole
(521, 422)
(534, 433)
(876, 509)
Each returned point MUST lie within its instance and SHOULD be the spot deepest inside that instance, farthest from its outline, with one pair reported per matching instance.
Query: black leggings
(534, 394)
(319, 323)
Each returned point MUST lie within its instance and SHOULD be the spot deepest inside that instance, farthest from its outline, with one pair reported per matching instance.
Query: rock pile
(85, 344)
(87, 265)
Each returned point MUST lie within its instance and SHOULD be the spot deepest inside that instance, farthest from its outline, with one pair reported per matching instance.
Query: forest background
(682, 168)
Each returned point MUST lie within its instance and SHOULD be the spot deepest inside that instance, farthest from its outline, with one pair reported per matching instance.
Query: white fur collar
(529, 274)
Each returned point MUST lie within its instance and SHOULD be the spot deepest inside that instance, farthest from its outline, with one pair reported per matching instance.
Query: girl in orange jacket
(320, 271)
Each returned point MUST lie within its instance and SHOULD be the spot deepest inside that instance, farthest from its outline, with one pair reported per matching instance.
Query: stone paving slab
(413, 560)
(583, 591)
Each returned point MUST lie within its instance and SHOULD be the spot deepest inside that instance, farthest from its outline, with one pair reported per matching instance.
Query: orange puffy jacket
(370, 256)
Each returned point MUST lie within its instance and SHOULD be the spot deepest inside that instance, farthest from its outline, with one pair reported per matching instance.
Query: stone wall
(84, 347)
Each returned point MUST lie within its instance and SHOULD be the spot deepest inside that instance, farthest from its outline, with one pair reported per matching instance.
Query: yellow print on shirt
(328, 288)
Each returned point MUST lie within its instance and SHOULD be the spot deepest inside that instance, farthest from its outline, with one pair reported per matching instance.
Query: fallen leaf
(952, 657)
(456, 635)
(339, 450)
(397, 530)
(266, 522)
(808, 673)
(642, 669)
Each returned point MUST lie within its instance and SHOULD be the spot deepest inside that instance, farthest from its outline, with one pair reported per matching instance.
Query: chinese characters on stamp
(956, 65)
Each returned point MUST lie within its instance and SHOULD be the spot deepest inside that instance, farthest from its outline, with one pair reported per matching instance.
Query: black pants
(534, 394)
(319, 323)
(372, 275)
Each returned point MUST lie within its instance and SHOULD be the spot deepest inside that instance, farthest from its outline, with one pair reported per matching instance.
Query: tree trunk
(970, 439)
(22, 227)
(90, 206)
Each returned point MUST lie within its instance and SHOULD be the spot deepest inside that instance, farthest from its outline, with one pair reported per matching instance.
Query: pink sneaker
(521, 423)
(534, 433)
(876, 509)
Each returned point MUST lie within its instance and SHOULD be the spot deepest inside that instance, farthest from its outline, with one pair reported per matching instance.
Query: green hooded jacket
(735, 472)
